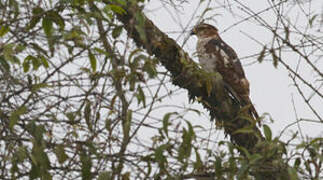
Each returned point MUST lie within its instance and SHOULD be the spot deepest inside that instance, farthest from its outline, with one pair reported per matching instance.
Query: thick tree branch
(186, 74)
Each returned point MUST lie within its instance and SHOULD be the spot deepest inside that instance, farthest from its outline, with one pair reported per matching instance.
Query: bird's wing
(228, 55)
(229, 66)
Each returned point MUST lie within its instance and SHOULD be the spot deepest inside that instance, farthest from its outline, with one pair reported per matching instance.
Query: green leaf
(310, 22)
(4, 64)
(297, 162)
(108, 124)
(38, 48)
(268, 133)
(70, 116)
(4, 30)
(36, 131)
(92, 61)
(86, 70)
(190, 130)
(243, 171)
(121, 2)
(218, 166)
(126, 125)
(159, 155)
(60, 153)
(292, 173)
(140, 27)
(8, 51)
(254, 158)
(21, 154)
(37, 13)
(14, 116)
(316, 140)
(244, 130)
(14, 8)
(86, 166)
(244, 150)
(44, 61)
(150, 68)
(117, 9)
(87, 115)
(185, 148)
(141, 96)
(275, 57)
(46, 175)
(262, 54)
(33, 22)
(101, 51)
(133, 53)
(105, 175)
(198, 165)
(166, 122)
(58, 19)
(47, 25)
(35, 171)
(34, 60)
(198, 112)
(26, 66)
(117, 31)
(19, 48)
(36, 87)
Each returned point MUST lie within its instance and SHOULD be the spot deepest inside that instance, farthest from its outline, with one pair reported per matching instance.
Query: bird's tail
(243, 100)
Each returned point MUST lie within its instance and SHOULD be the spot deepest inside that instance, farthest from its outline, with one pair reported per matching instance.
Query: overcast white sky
(271, 88)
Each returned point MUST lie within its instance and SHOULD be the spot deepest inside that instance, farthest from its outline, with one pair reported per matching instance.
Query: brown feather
(215, 54)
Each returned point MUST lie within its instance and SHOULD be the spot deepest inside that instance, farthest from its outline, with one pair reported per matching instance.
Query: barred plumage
(215, 55)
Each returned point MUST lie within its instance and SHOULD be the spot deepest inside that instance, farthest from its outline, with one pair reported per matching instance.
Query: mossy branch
(187, 74)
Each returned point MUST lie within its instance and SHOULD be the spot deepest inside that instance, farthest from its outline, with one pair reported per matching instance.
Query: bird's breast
(207, 59)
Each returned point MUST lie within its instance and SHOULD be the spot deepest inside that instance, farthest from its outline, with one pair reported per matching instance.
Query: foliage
(79, 99)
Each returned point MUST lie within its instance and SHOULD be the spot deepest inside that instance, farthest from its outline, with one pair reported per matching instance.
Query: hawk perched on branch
(216, 56)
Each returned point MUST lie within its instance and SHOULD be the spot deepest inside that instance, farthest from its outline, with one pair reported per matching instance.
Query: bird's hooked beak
(193, 31)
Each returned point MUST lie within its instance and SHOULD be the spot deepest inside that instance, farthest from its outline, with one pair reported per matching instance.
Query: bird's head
(203, 30)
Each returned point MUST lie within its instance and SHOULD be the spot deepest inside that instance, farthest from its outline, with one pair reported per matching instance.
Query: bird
(217, 56)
